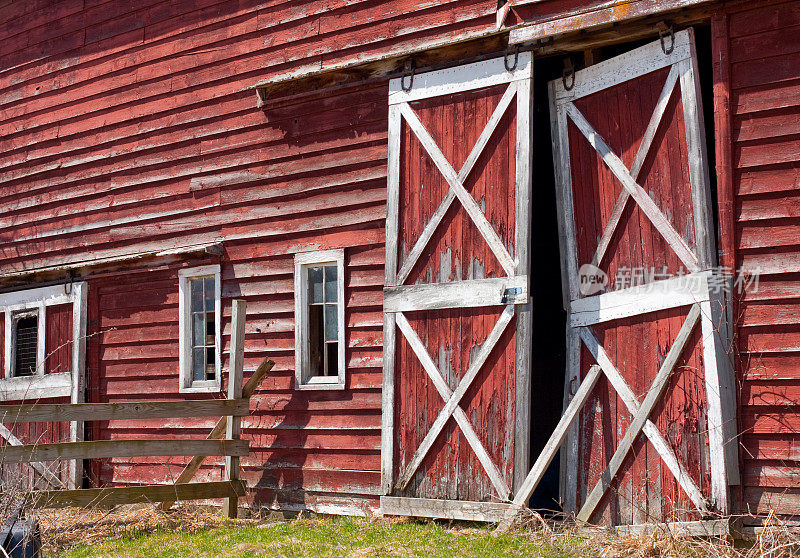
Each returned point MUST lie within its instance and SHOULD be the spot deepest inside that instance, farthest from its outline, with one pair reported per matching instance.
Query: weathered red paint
(21, 476)
(757, 72)
(637, 245)
(2, 341)
(293, 435)
(646, 490)
(58, 339)
(129, 127)
(457, 251)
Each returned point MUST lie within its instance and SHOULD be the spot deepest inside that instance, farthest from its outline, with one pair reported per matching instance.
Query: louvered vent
(25, 343)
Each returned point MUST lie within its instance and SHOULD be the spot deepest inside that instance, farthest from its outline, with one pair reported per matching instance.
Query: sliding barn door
(455, 303)
(655, 438)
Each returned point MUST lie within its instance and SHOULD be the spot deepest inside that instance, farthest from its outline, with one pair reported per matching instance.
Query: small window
(44, 341)
(25, 343)
(319, 325)
(200, 327)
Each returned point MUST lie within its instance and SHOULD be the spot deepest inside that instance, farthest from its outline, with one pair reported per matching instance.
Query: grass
(329, 537)
(143, 531)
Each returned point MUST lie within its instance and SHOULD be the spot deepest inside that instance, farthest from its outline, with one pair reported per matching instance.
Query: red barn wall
(758, 149)
(129, 127)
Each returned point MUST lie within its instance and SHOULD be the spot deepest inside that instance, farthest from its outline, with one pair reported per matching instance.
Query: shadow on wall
(282, 482)
(132, 355)
(115, 26)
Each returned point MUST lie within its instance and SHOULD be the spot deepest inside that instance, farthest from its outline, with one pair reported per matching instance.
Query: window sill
(322, 382)
(39, 386)
(209, 386)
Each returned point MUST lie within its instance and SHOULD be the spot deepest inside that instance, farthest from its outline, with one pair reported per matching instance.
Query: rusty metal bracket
(68, 282)
(666, 29)
(408, 71)
(568, 72)
(573, 384)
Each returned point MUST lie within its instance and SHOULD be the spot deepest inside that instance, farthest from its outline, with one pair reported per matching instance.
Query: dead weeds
(67, 529)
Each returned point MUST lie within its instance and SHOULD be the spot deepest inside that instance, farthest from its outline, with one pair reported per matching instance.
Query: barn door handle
(512, 67)
(572, 386)
(510, 295)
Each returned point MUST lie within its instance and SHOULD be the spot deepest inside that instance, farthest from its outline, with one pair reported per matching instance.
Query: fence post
(235, 381)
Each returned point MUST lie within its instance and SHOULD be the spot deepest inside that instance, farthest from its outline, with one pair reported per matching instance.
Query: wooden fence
(224, 440)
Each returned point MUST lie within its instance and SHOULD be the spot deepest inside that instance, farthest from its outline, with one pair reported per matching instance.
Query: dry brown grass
(67, 528)
(778, 538)
(72, 528)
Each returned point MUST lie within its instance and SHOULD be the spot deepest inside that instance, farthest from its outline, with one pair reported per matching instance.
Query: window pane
(209, 293)
(333, 359)
(27, 335)
(197, 294)
(331, 323)
(198, 330)
(314, 284)
(330, 283)
(315, 342)
(198, 364)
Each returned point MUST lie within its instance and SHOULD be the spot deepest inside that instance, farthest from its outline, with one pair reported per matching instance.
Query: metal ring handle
(408, 71)
(569, 72)
(516, 59)
(68, 285)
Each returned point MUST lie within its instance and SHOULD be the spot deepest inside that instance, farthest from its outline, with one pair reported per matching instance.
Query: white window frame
(303, 378)
(187, 383)
(59, 384)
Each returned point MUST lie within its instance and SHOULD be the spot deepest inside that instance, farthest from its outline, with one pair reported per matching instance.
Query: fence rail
(223, 440)
(55, 412)
(122, 448)
(112, 496)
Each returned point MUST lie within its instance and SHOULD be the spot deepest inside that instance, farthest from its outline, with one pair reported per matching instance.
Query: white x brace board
(652, 436)
(456, 313)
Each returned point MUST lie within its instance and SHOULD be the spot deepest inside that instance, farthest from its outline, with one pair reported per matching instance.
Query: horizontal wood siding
(129, 127)
(763, 42)
(315, 444)
(135, 106)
